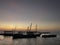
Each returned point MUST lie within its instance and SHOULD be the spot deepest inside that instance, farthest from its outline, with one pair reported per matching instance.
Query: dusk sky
(20, 13)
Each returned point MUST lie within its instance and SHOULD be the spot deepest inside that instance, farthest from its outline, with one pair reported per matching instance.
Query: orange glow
(12, 27)
(24, 27)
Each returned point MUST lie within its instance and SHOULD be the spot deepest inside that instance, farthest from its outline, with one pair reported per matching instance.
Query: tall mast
(15, 27)
(36, 27)
(30, 26)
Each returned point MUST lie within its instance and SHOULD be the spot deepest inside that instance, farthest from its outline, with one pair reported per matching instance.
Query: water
(32, 41)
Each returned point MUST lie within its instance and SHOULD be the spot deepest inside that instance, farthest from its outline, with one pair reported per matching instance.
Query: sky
(20, 13)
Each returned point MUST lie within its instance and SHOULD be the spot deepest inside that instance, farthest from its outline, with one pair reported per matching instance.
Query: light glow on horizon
(18, 14)
(23, 27)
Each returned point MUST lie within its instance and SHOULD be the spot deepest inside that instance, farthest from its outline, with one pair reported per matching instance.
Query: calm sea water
(32, 41)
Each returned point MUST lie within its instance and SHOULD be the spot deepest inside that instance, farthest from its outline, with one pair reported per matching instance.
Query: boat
(48, 35)
(23, 35)
(28, 34)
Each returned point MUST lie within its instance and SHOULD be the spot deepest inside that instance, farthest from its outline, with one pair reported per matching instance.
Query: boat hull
(48, 36)
(16, 36)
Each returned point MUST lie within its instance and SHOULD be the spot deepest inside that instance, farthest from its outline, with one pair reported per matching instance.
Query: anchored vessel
(28, 34)
(48, 35)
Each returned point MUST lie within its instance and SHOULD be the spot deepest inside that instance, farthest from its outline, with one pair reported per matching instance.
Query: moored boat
(48, 35)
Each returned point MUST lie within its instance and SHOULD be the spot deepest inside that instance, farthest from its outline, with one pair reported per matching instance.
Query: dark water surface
(32, 41)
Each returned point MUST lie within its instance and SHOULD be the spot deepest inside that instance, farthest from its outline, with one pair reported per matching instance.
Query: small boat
(48, 35)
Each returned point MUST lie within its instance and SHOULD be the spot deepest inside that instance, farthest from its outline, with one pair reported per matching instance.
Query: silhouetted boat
(48, 35)
(28, 34)
(21, 35)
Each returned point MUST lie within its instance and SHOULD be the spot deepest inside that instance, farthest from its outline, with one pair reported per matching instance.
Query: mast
(36, 27)
(30, 26)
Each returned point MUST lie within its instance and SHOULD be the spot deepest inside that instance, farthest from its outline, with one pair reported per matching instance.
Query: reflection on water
(6, 41)
(32, 41)
(1, 37)
(25, 41)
